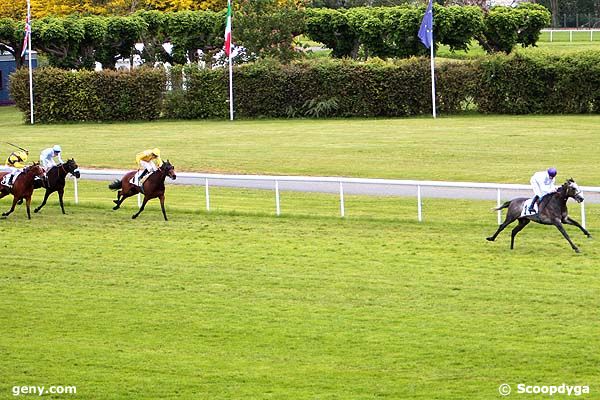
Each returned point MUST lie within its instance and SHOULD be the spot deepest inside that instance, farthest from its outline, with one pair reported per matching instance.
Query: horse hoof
(115, 207)
(577, 250)
(490, 239)
(133, 216)
(36, 210)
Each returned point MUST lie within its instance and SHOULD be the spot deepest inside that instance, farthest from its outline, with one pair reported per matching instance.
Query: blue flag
(426, 29)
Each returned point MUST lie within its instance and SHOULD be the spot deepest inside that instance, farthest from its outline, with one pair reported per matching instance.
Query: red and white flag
(228, 30)
(27, 37)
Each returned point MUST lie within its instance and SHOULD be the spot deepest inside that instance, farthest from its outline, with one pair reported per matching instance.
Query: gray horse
(553, 211)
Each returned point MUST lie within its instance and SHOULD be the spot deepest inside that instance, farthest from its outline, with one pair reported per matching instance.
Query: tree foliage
(505, 27)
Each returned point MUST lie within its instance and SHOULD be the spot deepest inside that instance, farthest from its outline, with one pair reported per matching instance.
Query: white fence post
(342, 208)
(277, 205)
(582, 212)
(76, 190)
(206, 194)
(498, 205)
(570, 36)
(419, 206)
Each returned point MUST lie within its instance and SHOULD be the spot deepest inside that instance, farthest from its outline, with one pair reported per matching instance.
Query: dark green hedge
(61, 95)
(540, 84)
(516, 84)
(329, 88)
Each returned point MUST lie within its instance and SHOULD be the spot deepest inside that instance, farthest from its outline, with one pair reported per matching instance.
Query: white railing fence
(589, 32)
(307, 184)
(340, 185)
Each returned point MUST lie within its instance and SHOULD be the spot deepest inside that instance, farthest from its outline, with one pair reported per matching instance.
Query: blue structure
(8, 66)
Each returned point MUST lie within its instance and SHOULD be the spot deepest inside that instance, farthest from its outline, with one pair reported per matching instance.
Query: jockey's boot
(532, 205)
(10, 180)
(141, 177)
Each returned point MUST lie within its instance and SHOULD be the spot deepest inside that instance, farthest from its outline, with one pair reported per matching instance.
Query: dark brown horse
(22, 187)
(55, 182)
(553, 211)
(154, 187)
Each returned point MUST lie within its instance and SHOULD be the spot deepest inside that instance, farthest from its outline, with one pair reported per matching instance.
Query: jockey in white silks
(542, 183)
(47, 157)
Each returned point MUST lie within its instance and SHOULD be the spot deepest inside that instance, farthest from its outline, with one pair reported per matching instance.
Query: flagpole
(29, 56)
(230, 88)
(432, 76)
(228, 34)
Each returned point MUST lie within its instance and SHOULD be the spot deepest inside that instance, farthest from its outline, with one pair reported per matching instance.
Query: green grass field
(239, 304)
(456, 148)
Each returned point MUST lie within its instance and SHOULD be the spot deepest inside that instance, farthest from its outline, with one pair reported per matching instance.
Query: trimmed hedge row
(330, 88)
(61, 95)
(517, 84)
(542, 84)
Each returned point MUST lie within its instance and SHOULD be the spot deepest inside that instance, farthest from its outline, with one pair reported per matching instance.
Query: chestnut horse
(22, 187)
(55, 182)
(154, 187)
(553, 211)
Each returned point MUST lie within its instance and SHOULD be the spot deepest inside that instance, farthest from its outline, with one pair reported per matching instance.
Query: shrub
(90, 96)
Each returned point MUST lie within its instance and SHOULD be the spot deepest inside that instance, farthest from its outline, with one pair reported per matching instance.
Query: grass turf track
(458, 148)
(239, 304)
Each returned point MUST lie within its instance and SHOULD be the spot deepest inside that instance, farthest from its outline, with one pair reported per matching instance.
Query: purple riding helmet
(552, 172)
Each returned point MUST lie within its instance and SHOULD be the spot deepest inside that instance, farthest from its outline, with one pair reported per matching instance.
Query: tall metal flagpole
(426, 36)
(230, 89)
(228, 35)
(432, 74)
(29, 56)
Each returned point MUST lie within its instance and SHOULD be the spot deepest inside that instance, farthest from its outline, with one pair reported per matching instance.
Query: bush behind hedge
(61, 95)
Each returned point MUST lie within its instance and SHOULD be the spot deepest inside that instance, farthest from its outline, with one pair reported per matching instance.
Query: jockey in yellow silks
(149, 161)
(16, 162)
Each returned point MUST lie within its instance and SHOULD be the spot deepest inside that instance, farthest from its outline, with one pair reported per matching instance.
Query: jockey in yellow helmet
(149, 161)
(15, 162)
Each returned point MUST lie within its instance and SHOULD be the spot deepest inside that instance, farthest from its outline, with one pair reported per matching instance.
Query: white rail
(207, 180)
(570, 31)
(203, 179)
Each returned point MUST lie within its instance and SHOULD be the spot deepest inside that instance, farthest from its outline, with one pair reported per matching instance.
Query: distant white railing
(202, 179)
(553, 31)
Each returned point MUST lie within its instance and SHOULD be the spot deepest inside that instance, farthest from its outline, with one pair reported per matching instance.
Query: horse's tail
(505, 205)
(116, 185)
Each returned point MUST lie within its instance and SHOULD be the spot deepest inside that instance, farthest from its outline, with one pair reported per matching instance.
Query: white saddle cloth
(6, 178)
(525, 210)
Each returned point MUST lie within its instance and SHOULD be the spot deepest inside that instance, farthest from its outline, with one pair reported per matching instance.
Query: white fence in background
(552, 32)
(307, 184)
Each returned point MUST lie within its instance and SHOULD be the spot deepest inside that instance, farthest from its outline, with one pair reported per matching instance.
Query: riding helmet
(57, 148)
(552, 172)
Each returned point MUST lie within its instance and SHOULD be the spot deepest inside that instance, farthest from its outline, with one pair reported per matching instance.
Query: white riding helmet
(57, 148)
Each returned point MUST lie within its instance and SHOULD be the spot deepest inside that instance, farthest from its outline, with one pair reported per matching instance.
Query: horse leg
(123, 197)
(506, 223)
(134, 216)
(14, 203)
(43, 202)
(571, 221)
(522, 224)
(560, 227)
(162, 206)
(61, 192)
(28, 205)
